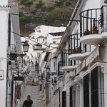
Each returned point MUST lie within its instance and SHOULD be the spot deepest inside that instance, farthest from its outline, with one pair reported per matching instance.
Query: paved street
(35, 95)
(33, 91)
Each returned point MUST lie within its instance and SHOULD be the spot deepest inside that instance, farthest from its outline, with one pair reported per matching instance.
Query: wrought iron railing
(59, 68)
(74, 45)
(103, 19)
(90, 21)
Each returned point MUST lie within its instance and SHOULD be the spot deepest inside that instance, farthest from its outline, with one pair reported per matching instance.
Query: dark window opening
(86, 90)
(64, 99)
(94, 88)
(71, 104)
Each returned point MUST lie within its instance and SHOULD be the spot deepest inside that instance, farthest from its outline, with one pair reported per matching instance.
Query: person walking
(28, 102)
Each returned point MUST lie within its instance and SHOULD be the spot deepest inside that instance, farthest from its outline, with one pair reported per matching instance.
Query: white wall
(3, 51)
(3, 2)
(91, 4)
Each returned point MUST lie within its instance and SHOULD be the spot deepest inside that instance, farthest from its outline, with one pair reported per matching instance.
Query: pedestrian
(28, 102)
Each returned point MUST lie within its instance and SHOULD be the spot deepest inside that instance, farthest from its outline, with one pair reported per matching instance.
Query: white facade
(4, 10)
(9, 22)
(83, 58)
(49, 38)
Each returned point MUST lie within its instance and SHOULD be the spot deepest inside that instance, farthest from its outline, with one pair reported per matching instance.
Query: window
(64, 99)
(54, 65)
(71, 103)
(86, 90)
(94, 88)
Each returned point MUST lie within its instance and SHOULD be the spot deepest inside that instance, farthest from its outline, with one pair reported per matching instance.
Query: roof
(49, 29)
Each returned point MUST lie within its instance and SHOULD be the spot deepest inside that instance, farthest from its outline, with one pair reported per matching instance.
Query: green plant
(59, 2)
(40, 4)
(25, 19)
(26, 2)
(68, 3)
(59, 16)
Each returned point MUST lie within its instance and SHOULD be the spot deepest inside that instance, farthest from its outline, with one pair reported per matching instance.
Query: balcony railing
(74, 45)
(59, 68)
(64, 56)
(103, 19)
(93, 21)
(90, 21)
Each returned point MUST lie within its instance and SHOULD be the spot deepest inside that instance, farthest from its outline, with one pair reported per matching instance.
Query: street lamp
(25, 46)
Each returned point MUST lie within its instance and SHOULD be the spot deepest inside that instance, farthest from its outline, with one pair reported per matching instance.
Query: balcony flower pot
(94, 30)
(87, 32)
(78, 50)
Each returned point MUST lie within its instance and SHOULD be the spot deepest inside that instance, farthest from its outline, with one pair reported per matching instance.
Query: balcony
(68, 68)
(76, 50)
(93, 26)
(78, 56)
(38, 47)
(92, 39)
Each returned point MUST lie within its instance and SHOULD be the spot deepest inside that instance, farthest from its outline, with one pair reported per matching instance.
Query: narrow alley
(33, 91)
(54, 53)
(32, 88)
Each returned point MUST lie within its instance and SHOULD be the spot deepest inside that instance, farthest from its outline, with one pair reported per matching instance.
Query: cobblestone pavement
(35, 96)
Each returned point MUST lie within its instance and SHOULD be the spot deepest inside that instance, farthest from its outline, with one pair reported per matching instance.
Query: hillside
(48, 12)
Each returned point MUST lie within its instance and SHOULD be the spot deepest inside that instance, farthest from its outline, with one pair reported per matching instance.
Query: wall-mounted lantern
(25, 46)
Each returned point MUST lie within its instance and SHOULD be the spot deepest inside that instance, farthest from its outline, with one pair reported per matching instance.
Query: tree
(39, 4)
(26, 2)
(59, 16)
(59, 3)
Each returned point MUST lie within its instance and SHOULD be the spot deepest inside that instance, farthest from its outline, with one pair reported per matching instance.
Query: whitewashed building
(82, 59)
(45, 41)
(10, 44)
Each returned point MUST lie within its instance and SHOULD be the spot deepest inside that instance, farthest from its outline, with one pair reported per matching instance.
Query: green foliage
(25, 19)
(31, 19)
(26, 2)
(59, 2)
(47, 9)
(40, 4)
(68, 3)
(40, 13)
(59, 16)
(50, 8)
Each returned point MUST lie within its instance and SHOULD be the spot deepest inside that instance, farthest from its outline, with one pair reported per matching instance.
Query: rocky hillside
(48, 12)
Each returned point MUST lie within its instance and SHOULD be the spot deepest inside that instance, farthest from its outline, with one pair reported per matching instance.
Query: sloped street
(35, 96)
(32, 88)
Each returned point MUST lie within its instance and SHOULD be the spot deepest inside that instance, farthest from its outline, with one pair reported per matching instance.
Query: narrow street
(53, 53)
(33, 91)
